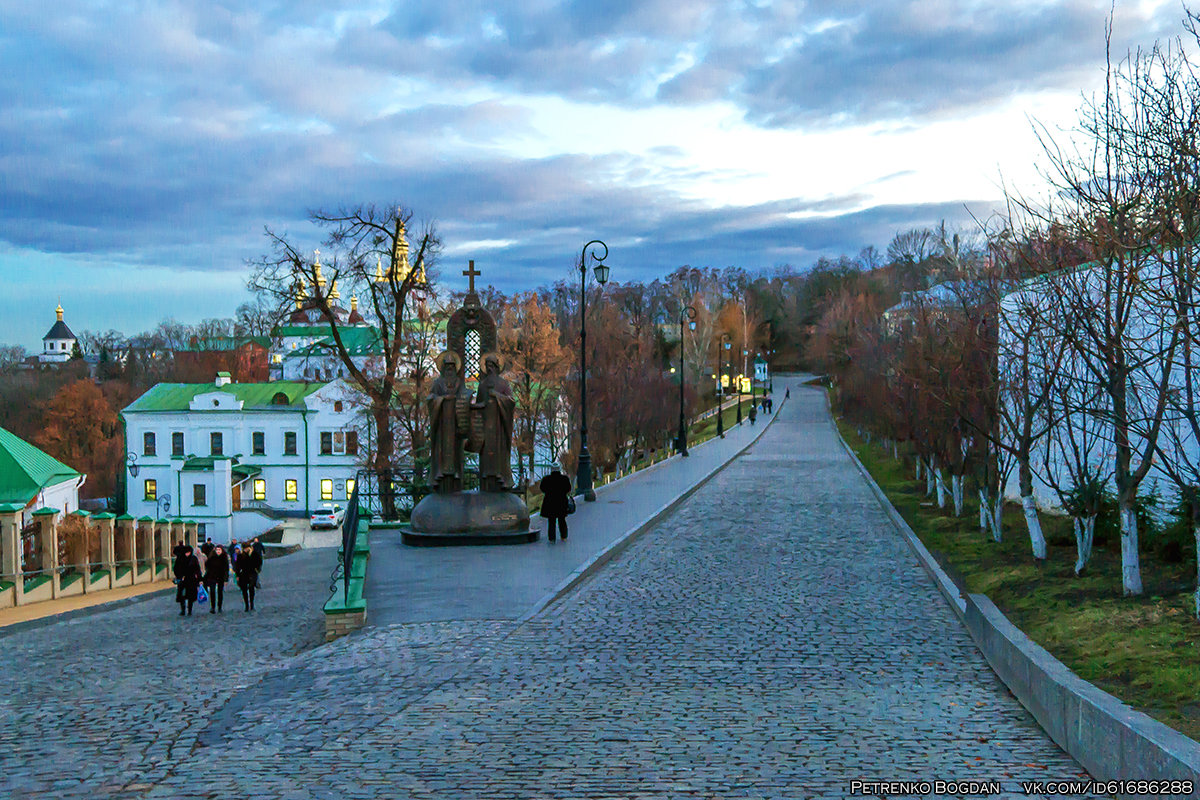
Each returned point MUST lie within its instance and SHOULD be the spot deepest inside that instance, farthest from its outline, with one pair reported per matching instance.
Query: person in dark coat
(247, 576)
(187, 573)
(216, 573)
(257, 550)
(556, 488)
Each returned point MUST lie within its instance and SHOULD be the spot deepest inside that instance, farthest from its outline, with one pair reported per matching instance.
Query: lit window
(290, 492)
(260, 489)
(151, 490)
(326, 488)
(349, 488)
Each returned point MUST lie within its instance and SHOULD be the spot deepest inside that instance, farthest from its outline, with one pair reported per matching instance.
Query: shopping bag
(570, 504)
(201, 595)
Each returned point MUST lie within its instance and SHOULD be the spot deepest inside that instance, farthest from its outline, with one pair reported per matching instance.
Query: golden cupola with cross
(400, 269)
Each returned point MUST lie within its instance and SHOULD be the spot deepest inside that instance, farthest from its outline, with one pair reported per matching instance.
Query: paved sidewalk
(432, 584)
(773, 637)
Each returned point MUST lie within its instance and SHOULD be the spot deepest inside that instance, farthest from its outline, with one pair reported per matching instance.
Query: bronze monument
(493, 514)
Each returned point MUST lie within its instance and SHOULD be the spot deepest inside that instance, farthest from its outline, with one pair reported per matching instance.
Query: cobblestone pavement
(773, 638)
(110, 704)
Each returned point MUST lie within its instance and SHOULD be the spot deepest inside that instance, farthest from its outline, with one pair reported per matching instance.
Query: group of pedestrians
(211, 568)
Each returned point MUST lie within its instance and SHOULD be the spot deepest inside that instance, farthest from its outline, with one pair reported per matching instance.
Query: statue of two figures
(483, 425)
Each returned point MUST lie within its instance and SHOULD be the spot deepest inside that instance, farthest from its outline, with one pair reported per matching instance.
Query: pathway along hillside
(772, 638)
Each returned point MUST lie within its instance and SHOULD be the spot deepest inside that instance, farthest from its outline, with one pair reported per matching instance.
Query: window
(199, 496)
(326, 488)
(202, 529)
(260, 489)
(151, 490)
(147, 444)
(349, 488)
(280, 399)
(326, 443)
(339, 441)
(258, 443)
(289, 443)
(289, 489)
(337, 405)
(216, 444)
(177, 443)
(351, 443)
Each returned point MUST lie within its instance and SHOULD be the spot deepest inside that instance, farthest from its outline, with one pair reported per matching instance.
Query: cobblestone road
(774, 638)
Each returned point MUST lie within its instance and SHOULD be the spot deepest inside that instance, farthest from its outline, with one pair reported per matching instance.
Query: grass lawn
(1144, 650)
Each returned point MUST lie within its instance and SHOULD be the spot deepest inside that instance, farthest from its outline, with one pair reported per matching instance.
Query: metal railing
(349, 539)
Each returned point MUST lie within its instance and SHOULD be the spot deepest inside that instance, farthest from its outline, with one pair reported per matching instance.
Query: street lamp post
(689, 313)
(583, 475)
(720, 398)
(739, 388)
(727, 344)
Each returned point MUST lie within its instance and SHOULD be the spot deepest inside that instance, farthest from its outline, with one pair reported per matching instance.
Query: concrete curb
(615, 548)
(77, 613)
(1111, 740)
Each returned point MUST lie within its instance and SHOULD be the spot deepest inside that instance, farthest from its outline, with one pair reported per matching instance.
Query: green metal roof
(179, 396)
(104, 515)
(358, 342)
(203, 463)
(26, 470)
(126, 517)
(44, 511)
(247, 470)
(10, 508)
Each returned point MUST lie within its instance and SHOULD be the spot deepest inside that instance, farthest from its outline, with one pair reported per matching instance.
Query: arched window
(280, 399)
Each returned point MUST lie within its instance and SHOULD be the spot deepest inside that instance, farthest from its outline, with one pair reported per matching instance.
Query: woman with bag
(556, 501)
(187, 576)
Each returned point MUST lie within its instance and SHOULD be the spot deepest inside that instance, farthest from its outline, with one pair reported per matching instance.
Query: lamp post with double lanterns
(583, 475)
(688, 314)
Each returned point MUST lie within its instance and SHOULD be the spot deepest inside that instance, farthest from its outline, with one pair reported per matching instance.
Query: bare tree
(372, 259)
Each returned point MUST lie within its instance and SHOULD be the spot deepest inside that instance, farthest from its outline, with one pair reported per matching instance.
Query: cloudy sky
(144, 145)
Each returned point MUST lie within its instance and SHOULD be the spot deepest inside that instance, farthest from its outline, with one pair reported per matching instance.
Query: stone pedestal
(470, 518)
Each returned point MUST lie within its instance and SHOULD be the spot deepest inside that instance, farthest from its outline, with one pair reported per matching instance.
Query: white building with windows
(237, 457)
(59, 343)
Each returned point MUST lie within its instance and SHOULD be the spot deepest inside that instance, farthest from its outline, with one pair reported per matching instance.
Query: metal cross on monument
(471, 274)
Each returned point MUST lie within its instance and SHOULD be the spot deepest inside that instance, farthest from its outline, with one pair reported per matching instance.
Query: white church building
(238, 457)
(59, 343)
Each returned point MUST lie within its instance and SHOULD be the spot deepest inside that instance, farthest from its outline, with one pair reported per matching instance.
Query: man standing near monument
(495, 402)
(445, 443)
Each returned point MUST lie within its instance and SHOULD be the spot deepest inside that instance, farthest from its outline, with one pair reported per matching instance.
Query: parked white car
(328, 517)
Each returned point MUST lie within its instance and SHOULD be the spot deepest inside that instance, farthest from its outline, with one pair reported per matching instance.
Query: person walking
(256, 552)
(788, 393)
(247, 577)
(216, 573)
(556, 490)
(187, 576)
